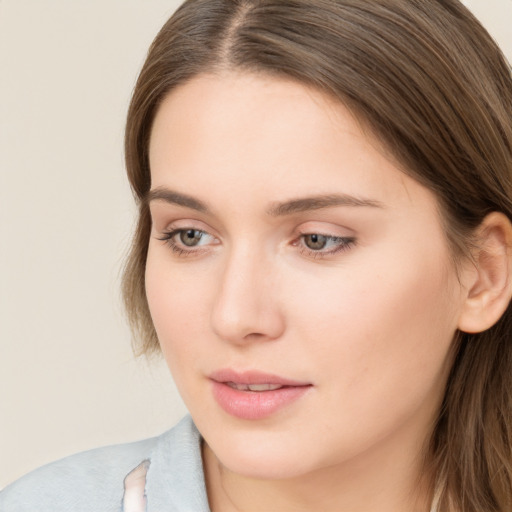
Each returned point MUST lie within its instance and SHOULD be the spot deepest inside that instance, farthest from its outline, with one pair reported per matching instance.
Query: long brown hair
(428, 81)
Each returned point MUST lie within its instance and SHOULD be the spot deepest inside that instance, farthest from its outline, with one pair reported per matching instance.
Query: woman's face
(300, 284)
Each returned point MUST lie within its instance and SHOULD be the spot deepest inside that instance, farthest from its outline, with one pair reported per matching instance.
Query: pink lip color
(254, 405)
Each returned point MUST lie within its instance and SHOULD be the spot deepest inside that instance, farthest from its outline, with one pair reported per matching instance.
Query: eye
(190, 237)
(315, 242)
(319, 245)
(187, 241)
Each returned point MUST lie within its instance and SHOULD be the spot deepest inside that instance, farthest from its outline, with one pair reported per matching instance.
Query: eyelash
(343, 244)
(168, 239)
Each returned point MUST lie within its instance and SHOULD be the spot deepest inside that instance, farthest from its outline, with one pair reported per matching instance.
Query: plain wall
(68, 380)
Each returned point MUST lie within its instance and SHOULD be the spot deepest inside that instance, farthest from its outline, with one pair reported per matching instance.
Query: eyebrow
(172, 197)
(281, 209)
(319, 202)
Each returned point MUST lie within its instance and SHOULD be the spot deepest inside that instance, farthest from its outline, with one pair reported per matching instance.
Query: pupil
(190, 237)
(316, 242)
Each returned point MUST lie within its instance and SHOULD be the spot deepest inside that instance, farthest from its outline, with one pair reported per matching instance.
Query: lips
(255, 395)
(253, 387)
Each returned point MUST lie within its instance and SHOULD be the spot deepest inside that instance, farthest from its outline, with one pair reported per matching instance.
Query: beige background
(68, 381)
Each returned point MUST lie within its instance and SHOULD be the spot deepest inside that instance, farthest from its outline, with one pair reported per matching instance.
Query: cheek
(173, 298)
(173, 304)
(378, 325)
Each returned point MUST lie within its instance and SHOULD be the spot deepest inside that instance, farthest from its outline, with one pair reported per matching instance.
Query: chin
(262, 457)
(263, 468)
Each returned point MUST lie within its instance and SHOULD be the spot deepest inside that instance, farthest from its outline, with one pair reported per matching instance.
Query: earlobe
(489, 284)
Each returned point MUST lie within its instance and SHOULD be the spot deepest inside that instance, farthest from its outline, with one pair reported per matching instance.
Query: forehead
(211, 105)
(251, 136)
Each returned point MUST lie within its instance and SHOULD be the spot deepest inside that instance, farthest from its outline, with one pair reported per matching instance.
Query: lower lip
(255, 405)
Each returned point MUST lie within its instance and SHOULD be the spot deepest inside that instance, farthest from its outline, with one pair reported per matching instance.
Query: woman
(323, 257)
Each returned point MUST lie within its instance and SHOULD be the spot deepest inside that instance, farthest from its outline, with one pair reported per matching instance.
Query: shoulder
(167, 470)
(88, 481)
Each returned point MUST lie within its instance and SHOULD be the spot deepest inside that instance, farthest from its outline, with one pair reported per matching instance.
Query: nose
(246, 304)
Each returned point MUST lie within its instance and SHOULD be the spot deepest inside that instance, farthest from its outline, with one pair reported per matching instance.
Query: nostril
(247, 326)
(254, 336)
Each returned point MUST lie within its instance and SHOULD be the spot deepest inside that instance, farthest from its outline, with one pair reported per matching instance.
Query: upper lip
(253, 377)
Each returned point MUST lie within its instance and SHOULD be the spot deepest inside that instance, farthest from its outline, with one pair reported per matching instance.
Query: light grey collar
(173, 476)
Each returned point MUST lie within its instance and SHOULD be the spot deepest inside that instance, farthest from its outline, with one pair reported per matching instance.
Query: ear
(489, 281)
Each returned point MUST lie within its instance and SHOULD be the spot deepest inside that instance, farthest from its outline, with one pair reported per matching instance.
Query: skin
(369, 327)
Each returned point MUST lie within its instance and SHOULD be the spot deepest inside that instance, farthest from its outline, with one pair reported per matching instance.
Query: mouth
(258, 388)
(255, 395)
(255, 379)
